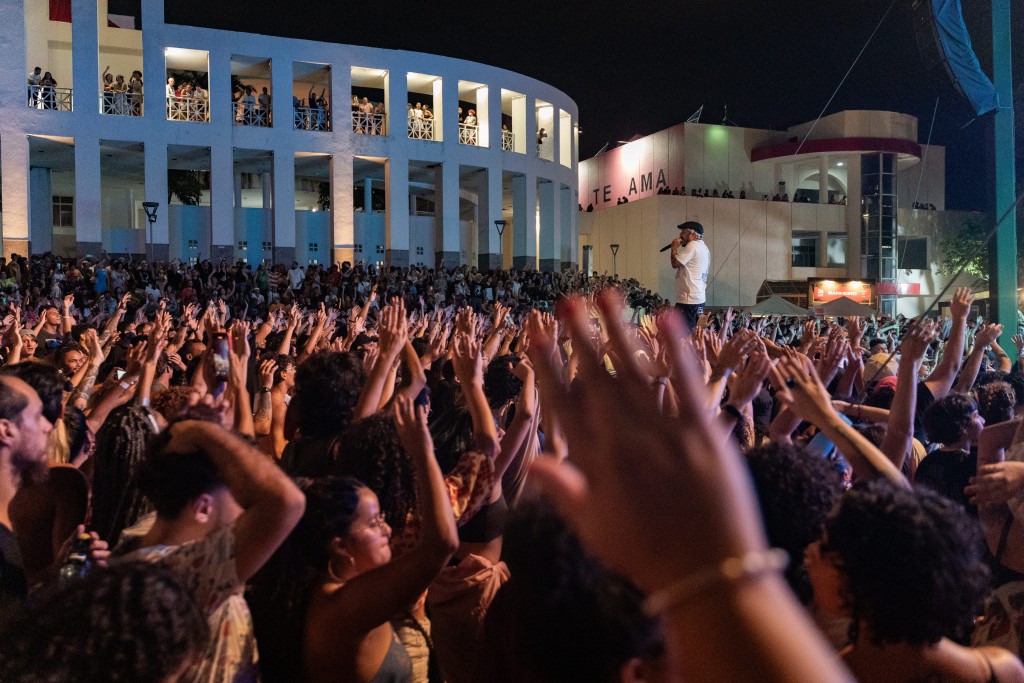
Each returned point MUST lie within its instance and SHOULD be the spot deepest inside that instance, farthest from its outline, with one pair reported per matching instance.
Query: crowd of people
(252, 109)
(187, 100)
(119, 97)
(215, 473)
(924, 206)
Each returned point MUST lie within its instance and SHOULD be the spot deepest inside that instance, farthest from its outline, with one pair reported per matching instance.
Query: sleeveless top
(396, 667)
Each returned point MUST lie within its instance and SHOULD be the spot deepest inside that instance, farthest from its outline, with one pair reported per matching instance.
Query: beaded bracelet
(731, 570)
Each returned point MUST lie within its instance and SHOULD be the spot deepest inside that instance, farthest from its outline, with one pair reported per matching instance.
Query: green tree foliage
(187, 186)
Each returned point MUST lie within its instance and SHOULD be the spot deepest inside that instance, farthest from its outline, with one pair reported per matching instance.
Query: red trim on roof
(785, 149)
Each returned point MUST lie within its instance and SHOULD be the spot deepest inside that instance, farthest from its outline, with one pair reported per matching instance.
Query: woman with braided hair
(120, 447)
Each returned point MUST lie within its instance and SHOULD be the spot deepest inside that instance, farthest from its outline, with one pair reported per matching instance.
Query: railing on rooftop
(182, 108)
(312, 118)
(120, 103)
(421, 129)
(508, 141)
(368, 124)
(251, 116)
(49, 97)
(468, 134)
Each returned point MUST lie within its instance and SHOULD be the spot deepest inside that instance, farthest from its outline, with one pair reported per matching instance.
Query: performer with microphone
(692, 260)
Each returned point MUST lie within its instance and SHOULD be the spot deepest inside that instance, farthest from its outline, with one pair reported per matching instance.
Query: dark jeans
(690, 314)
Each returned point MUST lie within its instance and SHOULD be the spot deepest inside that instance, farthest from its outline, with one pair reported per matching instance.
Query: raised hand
(267, 369)
(622, 450)
(468, 360)
(960, 305)
(986, 334)
(916, 341)
(996, 483)
(411, 425)
(746, 382)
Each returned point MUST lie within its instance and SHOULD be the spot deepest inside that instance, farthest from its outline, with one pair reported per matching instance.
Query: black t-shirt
(13, 584)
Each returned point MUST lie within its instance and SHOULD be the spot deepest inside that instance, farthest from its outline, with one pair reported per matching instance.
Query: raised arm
(371, 598)
(941, 380)
(810, 399)
(623, 450)
(469, 371)
(272, 504)
(393, 333)
(899, 433)
(237, 376)
(983, 338)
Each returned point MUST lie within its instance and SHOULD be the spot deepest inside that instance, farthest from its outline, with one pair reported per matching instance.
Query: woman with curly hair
(348, 586)
(133, 622)
(906, 567)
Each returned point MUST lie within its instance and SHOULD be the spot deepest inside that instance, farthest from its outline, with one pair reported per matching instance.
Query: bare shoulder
(1006, 665)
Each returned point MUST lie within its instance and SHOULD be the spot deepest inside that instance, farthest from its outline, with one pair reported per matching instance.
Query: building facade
(853, 196)
(273, 149)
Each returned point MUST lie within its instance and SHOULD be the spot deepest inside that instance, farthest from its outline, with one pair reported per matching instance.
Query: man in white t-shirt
(295, 277)
(692, 260)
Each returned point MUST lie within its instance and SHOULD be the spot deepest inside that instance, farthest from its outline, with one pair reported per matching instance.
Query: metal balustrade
(49, 97)
(312, 118)
(251, 116)
(468, 134)
(421, 128)
(508, 141)
(120, 103)
(368, 124)
(188, 109)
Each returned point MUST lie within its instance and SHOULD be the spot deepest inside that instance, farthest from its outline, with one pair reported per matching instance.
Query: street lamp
(150, 208)
(615, 253)
(500, 225)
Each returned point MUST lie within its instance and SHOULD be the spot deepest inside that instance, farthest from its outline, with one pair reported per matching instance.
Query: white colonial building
(272, 149)
(832, 201)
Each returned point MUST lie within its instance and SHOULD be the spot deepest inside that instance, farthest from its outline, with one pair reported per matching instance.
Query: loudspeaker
(928, 46)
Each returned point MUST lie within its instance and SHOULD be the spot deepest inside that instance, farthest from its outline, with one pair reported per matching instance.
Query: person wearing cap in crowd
(691, 259)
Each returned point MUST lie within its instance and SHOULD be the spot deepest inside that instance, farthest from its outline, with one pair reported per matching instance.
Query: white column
(483, 120)
(554, 135)
(442, 93)
(85, 42)
(396, 98)
(520, 126)
(88, 191)
(489, 193)
(396, 230)
(14, 169)
(341, 93)
(341, 208)
(524, 222)
(281, 93)
(447, 235)
(155, 154)
(154, 67)
(550, 240)
(222, 209)
(40, 210)
(222, 109)
(283, 201)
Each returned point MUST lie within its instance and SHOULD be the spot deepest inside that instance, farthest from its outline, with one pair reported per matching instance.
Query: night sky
(643, 66)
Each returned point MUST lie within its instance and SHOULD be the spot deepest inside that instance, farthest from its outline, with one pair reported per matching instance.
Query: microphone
(667, 246)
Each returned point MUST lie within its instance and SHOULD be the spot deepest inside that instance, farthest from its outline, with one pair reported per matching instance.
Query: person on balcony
(34, 80)
(471, 118)
(265, 103)
(106, 86)
(135, 88)
(48, 93)
(248, 103)
(120, 97)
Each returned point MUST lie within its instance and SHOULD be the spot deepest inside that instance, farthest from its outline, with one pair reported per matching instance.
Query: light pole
(150, 208)
(500, 225)
(615, 253)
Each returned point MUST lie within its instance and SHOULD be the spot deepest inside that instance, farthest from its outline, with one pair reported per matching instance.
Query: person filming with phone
(691, 259)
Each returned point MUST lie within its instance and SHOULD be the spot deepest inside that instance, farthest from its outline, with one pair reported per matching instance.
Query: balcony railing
(188, 109)
(368, 124)
(121, 103)
(421, 129)
(468, 134)
(252, 116)
(508, 141)
(49, 97)
(312, 118)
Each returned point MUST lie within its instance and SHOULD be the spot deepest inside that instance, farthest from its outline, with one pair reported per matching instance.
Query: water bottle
(77, 564)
